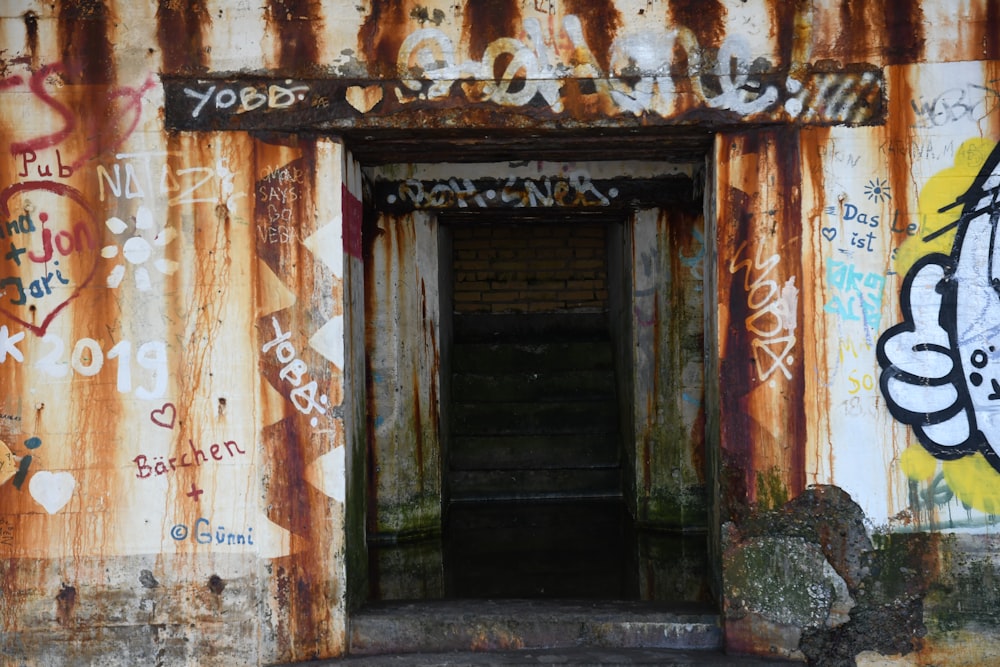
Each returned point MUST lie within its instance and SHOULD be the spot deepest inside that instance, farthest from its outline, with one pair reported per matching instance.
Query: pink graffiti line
(37, 86)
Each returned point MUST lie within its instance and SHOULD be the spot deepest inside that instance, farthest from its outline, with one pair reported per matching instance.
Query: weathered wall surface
(863, 336)
(181, 321)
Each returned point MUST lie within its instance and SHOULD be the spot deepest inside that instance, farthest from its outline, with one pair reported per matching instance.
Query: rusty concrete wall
(174, 414)
(856, 335)
(403, 368)
(854, 157)
(667, 366)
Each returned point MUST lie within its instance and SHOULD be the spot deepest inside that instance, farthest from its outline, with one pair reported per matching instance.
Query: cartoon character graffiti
(941, 364)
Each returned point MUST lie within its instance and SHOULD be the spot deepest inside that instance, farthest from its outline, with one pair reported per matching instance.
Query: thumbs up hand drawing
(921, 378)
(941, 364)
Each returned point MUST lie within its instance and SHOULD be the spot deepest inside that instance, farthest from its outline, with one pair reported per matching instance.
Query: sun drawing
(877, 190)
(138, 249)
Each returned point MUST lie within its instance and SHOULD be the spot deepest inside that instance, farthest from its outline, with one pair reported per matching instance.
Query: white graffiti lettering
(772, 318)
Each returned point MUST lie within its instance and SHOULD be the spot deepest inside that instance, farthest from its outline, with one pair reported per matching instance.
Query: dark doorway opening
(534, 458)
(535, 390)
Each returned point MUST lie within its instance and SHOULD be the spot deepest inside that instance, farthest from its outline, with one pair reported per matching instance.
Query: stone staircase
(533, 420)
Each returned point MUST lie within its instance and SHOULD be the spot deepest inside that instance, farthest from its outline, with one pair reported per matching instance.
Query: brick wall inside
(530, 268)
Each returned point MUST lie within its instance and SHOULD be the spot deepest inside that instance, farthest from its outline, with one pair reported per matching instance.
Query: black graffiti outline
(947, 319)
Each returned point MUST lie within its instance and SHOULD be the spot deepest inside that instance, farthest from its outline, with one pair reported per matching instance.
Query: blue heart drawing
(829, 233)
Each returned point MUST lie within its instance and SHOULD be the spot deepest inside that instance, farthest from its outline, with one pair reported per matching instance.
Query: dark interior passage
(533, 468)
(533, 410)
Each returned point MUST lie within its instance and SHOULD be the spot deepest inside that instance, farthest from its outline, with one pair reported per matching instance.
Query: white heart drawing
(52, 490)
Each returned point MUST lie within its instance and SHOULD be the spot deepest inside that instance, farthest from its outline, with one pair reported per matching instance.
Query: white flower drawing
(138, 249)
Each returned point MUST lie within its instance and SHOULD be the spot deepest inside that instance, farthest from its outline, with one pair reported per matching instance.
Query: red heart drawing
(165, 416)
(61, 190)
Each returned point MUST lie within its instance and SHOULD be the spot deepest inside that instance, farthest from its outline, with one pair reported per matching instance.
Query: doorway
(534, 469)
(535, 383)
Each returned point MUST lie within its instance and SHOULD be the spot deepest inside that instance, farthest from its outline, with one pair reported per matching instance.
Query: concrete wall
(207, 293)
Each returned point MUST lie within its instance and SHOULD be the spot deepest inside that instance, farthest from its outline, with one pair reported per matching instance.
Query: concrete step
(479, 485)
(437, 626)
(539, 384)
(574, 656)
(485, 358)
(554, 418)
(518, 452)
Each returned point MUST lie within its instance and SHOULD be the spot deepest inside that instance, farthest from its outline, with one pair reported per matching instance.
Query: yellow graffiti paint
(917, 463)
(975, 482)
(940, 191)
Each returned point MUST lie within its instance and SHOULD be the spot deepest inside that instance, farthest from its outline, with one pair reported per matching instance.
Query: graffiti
(6, 532)
(940, 364)
(919, 149)
(8, 345)
(123, 110)
(31, 289)
(904, 227)
(857, 294)
(865, 381)
(164, 417)
(696, 261)
(43, 170)
(138, 249)
(278, 234)
(970, 102)
(276, 194)
(145, 175)
(830, 154)
(640, 78)
(20, 279)
(305, 397)
(877, 190)
(201, 532)
(52, 490)
(30, 444)
(87, 359)
(8, 463)
(772, 319)
(156, 466)
(649, 73)
(78, 239)
(575, 190)
(249, 98)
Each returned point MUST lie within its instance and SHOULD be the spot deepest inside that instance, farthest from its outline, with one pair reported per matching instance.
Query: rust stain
(296, 23)
(382, 33)
(369, 233)
(485, 22)
(898, 139)
(705, 18)
(792, 23)
(304, 581)
(600, 20)
(736, 368)
(31, 36)
(65, 605)
(180, 32)
(813, 141)
(904, 25)
(85, 39)
(788, 170)
(851, 41)
(991, 31)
